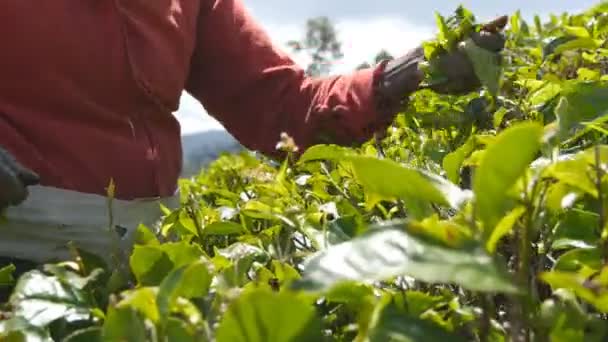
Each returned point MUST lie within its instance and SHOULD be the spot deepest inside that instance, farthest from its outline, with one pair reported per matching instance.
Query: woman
(87, 91)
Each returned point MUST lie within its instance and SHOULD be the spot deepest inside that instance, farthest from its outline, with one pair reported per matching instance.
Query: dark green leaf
(6, 275)
(580, 102)
(179, 331)
(388, 251)
(223, 228)
(485, 63)
(394, 325)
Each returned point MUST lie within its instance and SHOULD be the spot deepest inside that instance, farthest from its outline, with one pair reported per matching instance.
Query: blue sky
(365, 27)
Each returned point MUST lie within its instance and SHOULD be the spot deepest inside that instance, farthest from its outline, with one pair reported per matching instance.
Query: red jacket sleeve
(257, 92)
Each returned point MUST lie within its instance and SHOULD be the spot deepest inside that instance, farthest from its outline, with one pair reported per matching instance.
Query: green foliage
(479, 217)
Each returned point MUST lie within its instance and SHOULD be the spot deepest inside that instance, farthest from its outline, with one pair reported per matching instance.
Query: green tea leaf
(123, 324)
(504, 227)
(502, 164)
(143, 300)
(324, 152)
(386, 179)
(575, 44)
(151, 264)
(577, 31)
(580, 102)
(262, 316)
(18, 329)
(388, 251)
(453, 161)
(190, 281)
(589, 290)
(485, 63)
(394, 325)
(41, 299)
(223, 228)
(6, 275)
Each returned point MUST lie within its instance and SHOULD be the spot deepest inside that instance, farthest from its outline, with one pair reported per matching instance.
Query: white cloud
(362, 39)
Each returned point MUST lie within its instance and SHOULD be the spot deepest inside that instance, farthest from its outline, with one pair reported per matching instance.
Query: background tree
(380, 56)
(321, 43)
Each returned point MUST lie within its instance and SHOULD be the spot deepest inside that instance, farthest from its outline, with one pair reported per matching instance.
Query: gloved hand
(14, 180)
(402, 76)
(457, 67)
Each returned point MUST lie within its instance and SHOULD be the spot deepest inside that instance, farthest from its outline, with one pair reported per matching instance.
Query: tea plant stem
(486, 318)
(192, 215)
(600, 195)
(525, 256)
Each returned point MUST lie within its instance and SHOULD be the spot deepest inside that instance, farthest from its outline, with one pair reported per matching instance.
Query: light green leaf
(263, 316)
(544, 93)
(190, 281)
(143, 300)
(388, 251)
(324, 152)
(445, 37)
(589, 290)
(453, 161)
(504, 227)
(386, 179)
(502, 164)
(144, 236)
(573, 172)
(577, 31)
(150, 264)
(586, 74)
(575, 44)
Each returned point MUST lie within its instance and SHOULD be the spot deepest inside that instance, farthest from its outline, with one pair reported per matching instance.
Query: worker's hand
(14, 180)
(457, 67)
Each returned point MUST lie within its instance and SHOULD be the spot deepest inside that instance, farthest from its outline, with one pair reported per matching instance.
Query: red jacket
(88, 88)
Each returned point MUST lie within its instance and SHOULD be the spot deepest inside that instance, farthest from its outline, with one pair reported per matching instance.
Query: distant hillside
(200, 149)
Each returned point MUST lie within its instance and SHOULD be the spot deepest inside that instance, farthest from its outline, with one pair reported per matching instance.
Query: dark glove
(402, 76)
(458, 69)
(14, 180)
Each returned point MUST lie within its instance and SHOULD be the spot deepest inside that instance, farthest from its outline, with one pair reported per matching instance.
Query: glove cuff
(395, 80)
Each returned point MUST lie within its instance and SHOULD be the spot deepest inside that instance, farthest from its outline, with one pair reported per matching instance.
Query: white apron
(40, 228)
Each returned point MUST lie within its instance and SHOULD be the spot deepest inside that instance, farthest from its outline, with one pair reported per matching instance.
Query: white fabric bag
(40, 228)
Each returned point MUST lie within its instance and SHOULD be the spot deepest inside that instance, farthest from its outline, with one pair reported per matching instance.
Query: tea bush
(480, 217)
